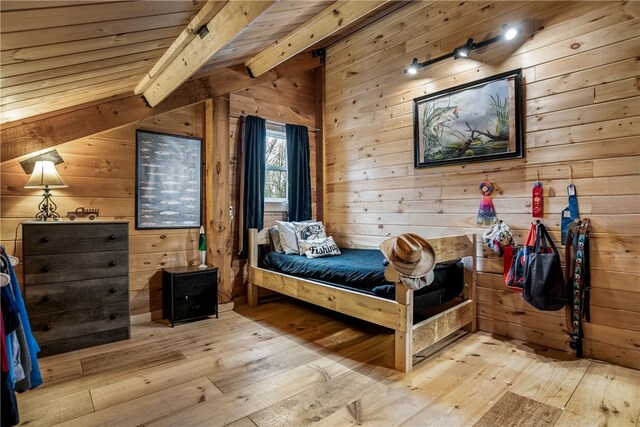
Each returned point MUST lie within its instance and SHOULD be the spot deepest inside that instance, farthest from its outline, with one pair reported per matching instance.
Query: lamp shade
(45, 175)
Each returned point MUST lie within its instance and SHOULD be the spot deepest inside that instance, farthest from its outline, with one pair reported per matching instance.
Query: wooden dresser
(76, 283)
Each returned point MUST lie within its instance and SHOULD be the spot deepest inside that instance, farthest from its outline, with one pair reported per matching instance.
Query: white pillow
(309, 230)
(319, 247)
(288, 237)
(275, 239)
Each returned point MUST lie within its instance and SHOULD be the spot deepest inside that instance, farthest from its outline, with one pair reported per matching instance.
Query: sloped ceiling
(60, 54)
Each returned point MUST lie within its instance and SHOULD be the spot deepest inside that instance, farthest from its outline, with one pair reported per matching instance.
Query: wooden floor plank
(143, 409)
(318, 402)
(54, 410)
(286, 363)
(607, 395)
(513, 410)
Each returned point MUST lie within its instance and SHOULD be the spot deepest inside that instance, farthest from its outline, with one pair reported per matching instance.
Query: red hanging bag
(516, 262)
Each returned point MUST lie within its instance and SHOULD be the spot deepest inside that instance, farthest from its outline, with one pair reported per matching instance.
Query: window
(275, 182)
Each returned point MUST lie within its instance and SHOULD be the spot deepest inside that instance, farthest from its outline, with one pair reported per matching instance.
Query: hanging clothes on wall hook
(571, 212)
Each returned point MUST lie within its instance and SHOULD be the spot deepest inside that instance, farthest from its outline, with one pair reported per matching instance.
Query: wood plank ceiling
(59, 54)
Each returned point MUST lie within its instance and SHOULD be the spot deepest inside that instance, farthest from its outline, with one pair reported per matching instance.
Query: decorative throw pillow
(309, 230)
(319, 247)
(288, 237)
(275, 239)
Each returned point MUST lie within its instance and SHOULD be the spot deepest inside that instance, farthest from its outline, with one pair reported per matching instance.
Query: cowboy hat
(409, 254)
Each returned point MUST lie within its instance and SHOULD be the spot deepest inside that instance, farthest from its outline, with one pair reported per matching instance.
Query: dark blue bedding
(362, 270)
(355, 268)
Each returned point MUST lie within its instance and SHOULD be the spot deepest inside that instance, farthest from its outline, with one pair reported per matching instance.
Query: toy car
(84, 213)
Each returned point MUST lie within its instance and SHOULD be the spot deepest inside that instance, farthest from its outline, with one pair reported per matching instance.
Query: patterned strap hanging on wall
(579, 279)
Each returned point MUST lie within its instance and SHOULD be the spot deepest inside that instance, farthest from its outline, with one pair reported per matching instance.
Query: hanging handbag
(545, 287)
(516, 262)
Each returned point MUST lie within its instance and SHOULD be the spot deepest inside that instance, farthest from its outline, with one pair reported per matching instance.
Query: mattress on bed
(362, 270)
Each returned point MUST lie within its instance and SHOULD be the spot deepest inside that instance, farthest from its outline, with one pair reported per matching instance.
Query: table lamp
(45, 176)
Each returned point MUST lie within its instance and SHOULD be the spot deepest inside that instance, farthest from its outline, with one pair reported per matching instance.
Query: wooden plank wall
(581, 72)
(290, 99)
(100, 173)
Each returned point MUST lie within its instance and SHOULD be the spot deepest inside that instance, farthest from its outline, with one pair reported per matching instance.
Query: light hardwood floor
(288, 364)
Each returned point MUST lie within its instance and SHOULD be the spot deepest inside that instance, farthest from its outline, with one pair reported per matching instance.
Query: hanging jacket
(35, 377)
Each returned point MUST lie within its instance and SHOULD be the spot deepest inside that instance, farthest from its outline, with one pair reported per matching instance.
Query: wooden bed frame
(397, 315)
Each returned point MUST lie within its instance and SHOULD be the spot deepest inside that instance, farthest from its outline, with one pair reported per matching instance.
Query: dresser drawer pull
(112, 263)
(46, 298)
(186, 298)
(112, 237)
(113, 316)
(44, 239)
(45, 269)
(46, 328)
(196, 285)
(113, 290)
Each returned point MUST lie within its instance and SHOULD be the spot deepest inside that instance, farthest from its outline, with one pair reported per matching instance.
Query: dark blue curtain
(254, 144)
(298, 172)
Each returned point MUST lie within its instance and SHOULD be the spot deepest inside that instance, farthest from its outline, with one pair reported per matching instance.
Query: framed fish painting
(477, 121)
(168, 180)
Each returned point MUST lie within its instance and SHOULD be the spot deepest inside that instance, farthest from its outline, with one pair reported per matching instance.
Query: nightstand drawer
(194, 284)
(39, 269)
(73, 238)
(78, 294)
(73, 323)
(190, 307)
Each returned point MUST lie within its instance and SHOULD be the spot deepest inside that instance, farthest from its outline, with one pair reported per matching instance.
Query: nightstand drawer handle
(46, 328)
(186, 298)
(112, 263)
(45, 269)
(46, 298)
(112, 237)
(196, 285)
(44, 239)
(113, 290)
(113, 316)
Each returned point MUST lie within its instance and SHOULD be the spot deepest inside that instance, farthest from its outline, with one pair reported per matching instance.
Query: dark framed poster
(478, 121)
(168, 180)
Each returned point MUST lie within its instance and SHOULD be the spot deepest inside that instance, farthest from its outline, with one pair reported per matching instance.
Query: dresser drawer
(73, 323)
(72, 238)
(39, 269)
(194, 284)
(83, 341)
(84, 294)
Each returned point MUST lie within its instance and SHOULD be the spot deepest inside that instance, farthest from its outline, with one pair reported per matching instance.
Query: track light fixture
(509, 32)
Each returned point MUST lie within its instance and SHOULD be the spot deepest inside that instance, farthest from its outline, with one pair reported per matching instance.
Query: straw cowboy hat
(409, 254)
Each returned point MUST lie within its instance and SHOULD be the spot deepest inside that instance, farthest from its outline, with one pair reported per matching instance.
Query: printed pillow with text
(319, 247)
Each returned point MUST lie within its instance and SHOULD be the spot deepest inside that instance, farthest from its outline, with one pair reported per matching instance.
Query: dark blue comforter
(356, 268)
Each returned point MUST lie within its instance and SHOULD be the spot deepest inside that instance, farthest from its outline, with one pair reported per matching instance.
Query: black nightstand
(189, 293)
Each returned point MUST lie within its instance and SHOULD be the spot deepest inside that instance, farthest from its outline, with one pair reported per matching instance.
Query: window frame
(275, 130)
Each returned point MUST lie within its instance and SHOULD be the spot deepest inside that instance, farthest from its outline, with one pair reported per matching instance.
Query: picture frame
(475, 122)
(168, 181)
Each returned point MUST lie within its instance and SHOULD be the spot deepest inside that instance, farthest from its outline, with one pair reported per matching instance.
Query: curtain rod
(273, 122)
